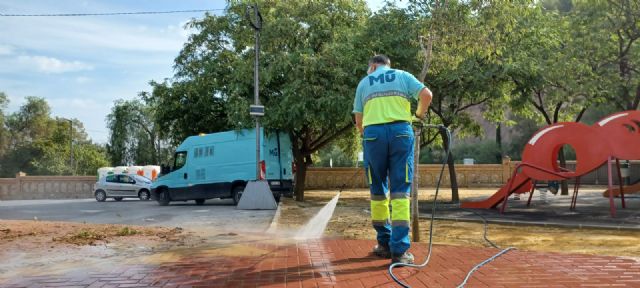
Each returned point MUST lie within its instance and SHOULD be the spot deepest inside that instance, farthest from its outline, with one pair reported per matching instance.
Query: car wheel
(101, 196)
(237, 193)
(144, 195)
(117, 198)
(200, 201)
(163, 197)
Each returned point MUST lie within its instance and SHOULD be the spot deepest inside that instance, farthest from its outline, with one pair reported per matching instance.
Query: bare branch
(556, 112)
(579, 117)
(541, 108)
(318, 144)
(427, 56)
(471, 105)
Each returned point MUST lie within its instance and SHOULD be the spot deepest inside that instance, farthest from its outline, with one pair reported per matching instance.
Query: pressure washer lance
(447, 132)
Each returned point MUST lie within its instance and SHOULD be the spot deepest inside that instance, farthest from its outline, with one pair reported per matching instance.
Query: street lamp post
(73, 170)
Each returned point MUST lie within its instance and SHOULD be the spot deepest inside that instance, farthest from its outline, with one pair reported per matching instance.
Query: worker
(382, 108)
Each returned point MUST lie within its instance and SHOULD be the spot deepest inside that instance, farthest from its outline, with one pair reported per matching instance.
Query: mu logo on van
(388, 76)
(274, 152)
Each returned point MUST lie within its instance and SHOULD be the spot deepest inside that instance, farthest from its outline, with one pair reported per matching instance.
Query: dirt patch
(351, 220)
(41, 247)
(38, 233)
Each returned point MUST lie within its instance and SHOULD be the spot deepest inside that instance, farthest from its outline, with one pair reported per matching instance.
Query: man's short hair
(380, 59)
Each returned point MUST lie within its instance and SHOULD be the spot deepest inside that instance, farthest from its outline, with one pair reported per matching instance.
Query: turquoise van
(219, 165)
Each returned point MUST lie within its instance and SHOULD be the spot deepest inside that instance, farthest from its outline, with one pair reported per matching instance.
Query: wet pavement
(592, 211)
(248, 257)
(262, 261)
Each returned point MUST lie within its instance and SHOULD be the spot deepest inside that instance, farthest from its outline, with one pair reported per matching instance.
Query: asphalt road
(215, 213)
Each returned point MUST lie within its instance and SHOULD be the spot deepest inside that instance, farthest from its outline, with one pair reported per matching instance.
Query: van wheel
(236, 192)
(101, 196)
(200, 201)
(163, 197)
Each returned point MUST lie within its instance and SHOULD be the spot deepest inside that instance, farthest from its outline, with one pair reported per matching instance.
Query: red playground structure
(615, 137)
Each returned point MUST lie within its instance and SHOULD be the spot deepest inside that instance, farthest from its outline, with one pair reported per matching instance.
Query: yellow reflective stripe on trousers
(369, 171)
(380, 210)
(406, 173)
(400, 209)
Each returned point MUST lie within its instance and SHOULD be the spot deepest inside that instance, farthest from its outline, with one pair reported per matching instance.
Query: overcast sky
(82, 64)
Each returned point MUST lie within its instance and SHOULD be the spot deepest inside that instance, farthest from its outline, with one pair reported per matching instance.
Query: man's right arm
(420, 92)
(423, 102)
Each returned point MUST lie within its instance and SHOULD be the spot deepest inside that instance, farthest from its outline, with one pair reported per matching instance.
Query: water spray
(444, 130)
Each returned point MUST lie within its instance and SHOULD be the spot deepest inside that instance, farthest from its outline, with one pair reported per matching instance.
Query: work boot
(382, 251)
(406, 258)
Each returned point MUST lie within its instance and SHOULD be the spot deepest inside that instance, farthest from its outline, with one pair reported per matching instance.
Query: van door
(278, 156)
(286, 156)
(180, 175)
(272, 156)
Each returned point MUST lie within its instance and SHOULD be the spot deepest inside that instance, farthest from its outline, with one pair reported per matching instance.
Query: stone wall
(481, 175)
(478, 175)
(46, 187)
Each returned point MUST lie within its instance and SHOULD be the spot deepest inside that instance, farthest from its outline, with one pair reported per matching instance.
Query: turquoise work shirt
(385, 95)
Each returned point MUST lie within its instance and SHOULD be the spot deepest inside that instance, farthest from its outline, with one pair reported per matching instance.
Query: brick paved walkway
(347, 263)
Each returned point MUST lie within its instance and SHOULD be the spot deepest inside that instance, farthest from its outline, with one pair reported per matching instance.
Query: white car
(120, 186)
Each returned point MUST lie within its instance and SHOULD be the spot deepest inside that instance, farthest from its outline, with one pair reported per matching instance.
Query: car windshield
(180, 160)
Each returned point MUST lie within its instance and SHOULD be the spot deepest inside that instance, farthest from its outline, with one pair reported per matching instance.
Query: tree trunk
(301, 175)
(563, 163)
(455, 197)
(499, 143)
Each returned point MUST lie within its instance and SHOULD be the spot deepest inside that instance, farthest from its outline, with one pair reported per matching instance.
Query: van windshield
(180, 160)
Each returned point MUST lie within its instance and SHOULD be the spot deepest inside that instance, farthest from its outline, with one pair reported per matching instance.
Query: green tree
(608, 33)
(41, 145)
(56, 151)
(553, 82)
(4, 133)
(89, 157)
(462, 42)
(310, 62)
(31, 122)
(134, 135)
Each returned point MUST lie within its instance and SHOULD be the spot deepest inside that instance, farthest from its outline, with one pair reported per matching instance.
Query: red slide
(521, 184)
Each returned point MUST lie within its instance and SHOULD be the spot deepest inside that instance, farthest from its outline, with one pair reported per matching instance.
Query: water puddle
(208, 241)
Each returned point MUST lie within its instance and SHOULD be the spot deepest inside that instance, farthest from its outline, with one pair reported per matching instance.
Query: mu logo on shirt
(388, 76)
